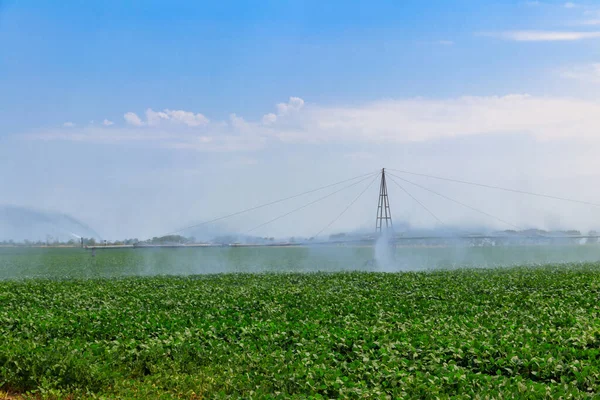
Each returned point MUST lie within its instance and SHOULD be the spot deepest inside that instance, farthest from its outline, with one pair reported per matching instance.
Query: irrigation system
(383, 221)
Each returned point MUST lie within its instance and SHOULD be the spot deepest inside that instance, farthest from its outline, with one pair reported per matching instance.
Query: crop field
(512, 332)
(21, 263)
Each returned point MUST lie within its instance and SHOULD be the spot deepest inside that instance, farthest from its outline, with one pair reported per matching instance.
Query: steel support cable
(271, 203)
(417, 201)
(498, 188)
(348, 207)
(308, 204)
(457, 202)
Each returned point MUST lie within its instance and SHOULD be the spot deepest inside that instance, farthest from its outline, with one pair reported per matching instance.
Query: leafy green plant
(523, 332)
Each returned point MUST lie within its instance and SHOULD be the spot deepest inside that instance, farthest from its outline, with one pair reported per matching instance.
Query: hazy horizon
(141, 119)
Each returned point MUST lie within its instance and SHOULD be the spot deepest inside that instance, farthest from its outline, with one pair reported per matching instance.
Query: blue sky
(115, 110)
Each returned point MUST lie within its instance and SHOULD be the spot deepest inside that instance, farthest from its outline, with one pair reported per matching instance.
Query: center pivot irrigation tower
(383, 209)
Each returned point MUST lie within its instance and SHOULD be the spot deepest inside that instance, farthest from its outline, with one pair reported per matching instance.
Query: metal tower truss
(384, 214)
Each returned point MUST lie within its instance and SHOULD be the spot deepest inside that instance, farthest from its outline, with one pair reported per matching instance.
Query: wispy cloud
(570, 5)
(425, 119)
(544, 36)
(107, 123)
(269, 119)
(391, 121)
(68, 124)
(585, 73)
(293, 105)
(155, 118)
(132, 119)
(213, 141)
(590, 22)
(188, 118)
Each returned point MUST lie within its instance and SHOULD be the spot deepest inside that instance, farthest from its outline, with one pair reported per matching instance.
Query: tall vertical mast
(383, 209)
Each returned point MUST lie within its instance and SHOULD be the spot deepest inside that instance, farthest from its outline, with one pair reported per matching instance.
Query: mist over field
(21, 223)
(144, 203)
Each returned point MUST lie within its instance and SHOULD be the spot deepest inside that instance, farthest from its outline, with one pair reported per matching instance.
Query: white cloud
(239, 123)
(390, 121)
(293, 105)
(425, 119)
(107, 123)
(133, 119)
(570, 5)
(155, 118)
(544, 36)
(584, 73)
(269, 119)
(187, 117)
(68, 124)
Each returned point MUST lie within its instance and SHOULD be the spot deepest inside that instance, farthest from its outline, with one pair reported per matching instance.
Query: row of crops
(516, 332)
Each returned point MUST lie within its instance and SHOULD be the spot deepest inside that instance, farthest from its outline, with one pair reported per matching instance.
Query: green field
(23, 263)
(513, 332)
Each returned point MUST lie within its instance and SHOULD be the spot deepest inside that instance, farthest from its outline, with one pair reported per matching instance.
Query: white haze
(161, 190)
(157, 171)
(384, 253)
